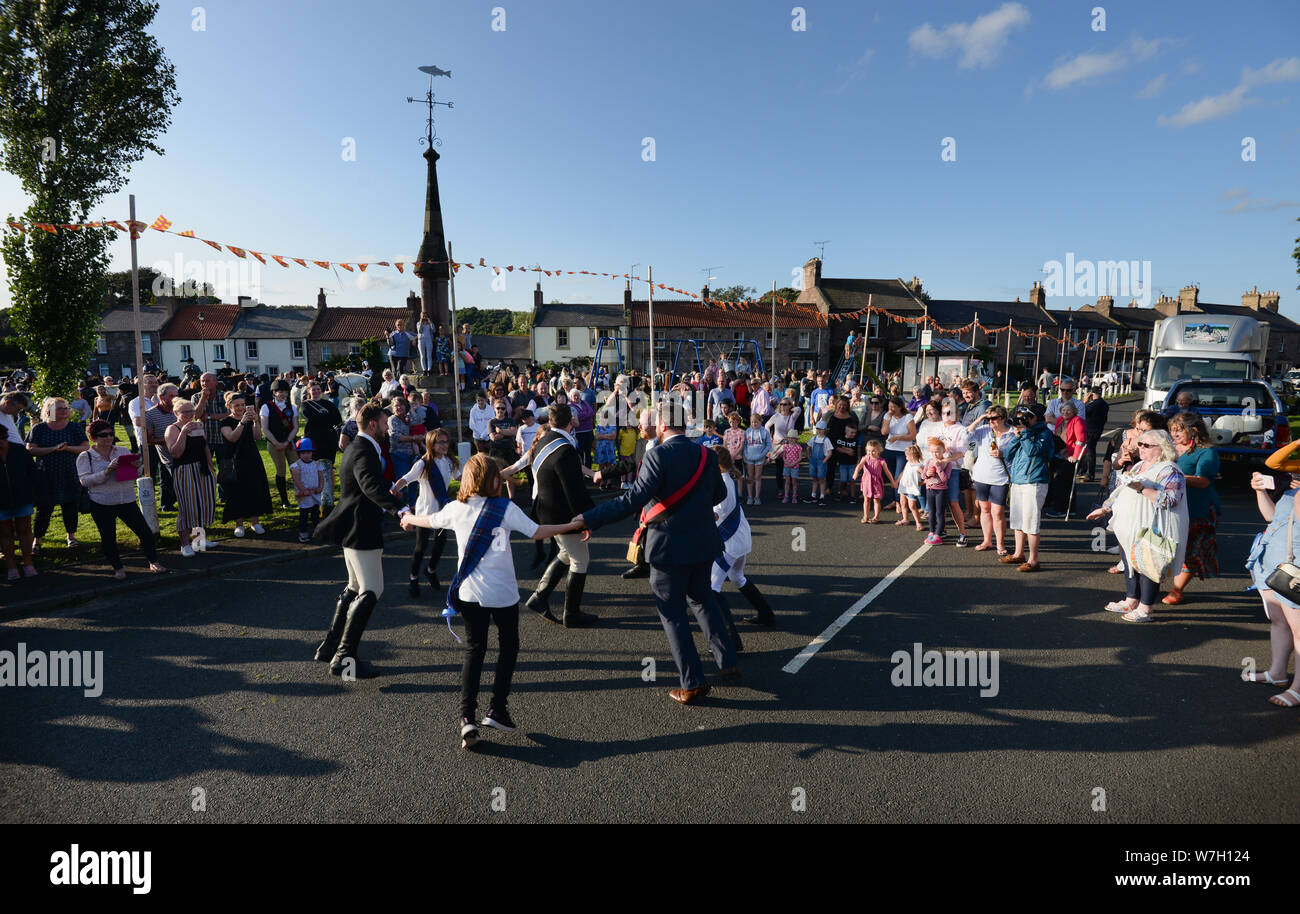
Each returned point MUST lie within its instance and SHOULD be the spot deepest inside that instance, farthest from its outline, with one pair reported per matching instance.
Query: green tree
(732, 293)
(85, 91)
(523, 323)
(787, 294)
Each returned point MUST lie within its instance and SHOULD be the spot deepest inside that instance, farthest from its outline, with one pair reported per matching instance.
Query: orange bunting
(46, 227)
(188, 233)
(399, 266)
(363, 266)
(323, 264)
(299, 261)
(211, 243)
(280, 260)
(238, 252)
(258, 256)
(161, 224)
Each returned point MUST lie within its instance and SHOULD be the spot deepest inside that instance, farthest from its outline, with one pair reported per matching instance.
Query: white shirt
(493, 582)
(741, 542)
(11, 428)
(526, 435)
(427, 502)
(479, 419)
(134, 407)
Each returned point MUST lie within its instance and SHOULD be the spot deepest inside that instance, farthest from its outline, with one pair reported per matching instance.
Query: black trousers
(1060, 484)
(106, 518)
(308, 518)
(45, 513)
(476, 627)
(1146, 590)
(422, 537)
(167, 494)
(1089, 461)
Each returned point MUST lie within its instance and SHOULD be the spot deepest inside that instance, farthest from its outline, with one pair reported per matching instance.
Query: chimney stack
(1269, 301)
(320, 300)
(627, 302)
(812, 274)
(414, 308)
(1105, 304)
(537, 296)
(1166, 306)
(1187, 298)
(1038, 295)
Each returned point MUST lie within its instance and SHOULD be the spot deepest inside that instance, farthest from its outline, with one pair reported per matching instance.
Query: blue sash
(730, 524)
(438, 484)
(480, 541)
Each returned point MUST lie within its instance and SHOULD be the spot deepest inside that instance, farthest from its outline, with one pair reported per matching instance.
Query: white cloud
(1154, 87)
(1245, 203)
(1190, 67)
(1228, 103)
(1090, 66)
(979, 43)
(1233, 193)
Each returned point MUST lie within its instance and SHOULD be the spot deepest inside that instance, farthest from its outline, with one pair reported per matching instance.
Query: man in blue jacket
(1028, 458)
(681, 544)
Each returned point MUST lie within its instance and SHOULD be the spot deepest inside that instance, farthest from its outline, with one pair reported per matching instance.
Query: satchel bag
(1285, 578)
(1153, 554)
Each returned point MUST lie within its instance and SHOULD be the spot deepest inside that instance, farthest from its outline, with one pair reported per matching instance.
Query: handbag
(1285, 578)
(1153, 554)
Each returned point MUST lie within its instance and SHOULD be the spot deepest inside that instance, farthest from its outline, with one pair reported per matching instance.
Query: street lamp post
(203, 342)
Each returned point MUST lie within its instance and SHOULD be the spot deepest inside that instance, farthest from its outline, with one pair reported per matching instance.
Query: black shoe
(499, 719)
(414, 587)
(574, 617)
(433, 579)
(637, 571)
(358, 617)
(468, 733)
(539, 601)
(331, 642)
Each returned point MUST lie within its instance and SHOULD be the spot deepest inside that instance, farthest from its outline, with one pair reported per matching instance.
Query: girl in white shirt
(437, 444)
(489, 592)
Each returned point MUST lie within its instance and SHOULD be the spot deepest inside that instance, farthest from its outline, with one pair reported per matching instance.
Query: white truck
(1204, 346)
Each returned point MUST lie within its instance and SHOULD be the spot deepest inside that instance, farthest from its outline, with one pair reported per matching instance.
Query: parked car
(1246, 419)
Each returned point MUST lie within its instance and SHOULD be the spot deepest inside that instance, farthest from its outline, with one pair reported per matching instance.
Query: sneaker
(468, 733)
(187, 552)
(757, 501)
(934, 539)
(499, 719)
(822, 502)
(239, 532)
(304, 537)
(1054, 514)
(808, 500)
(258, 529)
(961, 541)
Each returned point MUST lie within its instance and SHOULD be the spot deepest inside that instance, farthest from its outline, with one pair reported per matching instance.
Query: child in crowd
(872, 468)
(710, 438)
(433, 473)
(606, 446)
(909, 488)
(733, 439)
(308, 483)
(791, 453)
(936, 473)
(758, 448)
(628, 438)
(819, 448)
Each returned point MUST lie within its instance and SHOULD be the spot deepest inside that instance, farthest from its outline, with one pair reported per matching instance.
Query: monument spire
(434, 271)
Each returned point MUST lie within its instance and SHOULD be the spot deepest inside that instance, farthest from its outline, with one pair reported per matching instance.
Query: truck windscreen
(1170, 368)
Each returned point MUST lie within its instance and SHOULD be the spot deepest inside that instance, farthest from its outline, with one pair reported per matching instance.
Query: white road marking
(847, 616)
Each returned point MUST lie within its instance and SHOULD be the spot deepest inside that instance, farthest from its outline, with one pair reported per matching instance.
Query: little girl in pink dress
(872, 468)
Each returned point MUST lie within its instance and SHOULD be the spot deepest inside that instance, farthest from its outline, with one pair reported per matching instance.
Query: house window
(1092, 337)
(660, 343)
(326, 353)
(1030, 342)
(561, 338)
(911, 330)
(801, 364)
(591, 338)
(103, 369)
(1074, 335)
(273, 369)
(354, 350)
(805, 339)
(146, 344)
(873, 326)
(991, 340)
(767, 338)
(250, 349)
(1112, 336)
(219, 351)
(185, 352)
(299, 349)
(101, 345)
(127, 371)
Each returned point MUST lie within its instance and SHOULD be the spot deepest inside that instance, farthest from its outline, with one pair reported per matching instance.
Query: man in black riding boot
(356, 525)
(280, 426)
(559, 494)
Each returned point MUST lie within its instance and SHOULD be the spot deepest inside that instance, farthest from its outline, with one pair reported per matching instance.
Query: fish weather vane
(431, 139)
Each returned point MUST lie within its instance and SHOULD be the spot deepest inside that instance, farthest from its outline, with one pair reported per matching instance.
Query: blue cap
(304, 444)
(822, 425)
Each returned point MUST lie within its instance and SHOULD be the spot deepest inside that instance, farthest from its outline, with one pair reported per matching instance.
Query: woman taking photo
(1150, 496)
(55, 442)
(990, 476)
(248, 497)
(1273, 547)
(112, 499)
(484, 589)
(321, 424)
(899, 429)
(1200, 465)
(196, 505)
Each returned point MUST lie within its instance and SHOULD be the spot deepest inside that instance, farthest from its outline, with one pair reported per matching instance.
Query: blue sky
(1123, 144)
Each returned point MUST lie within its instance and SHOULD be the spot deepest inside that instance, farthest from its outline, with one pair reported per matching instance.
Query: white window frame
(105, 369)
(185, 352)
(1030, 343)
(1074, 335)
(101, 345)
(273, 370)
(805, 339)
(297, 349)
(354, 349)
(873, 326)
(1112, 337)
(1093, 336)
(326, 353)
(660, 343)
(219, 352)
(561, 337)
(127, 371)
(991, 339)
(250, 349)
(912, 330)
(146, 344)
(591, 337)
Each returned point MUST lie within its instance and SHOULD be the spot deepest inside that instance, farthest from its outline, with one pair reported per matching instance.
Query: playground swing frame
(734, 352)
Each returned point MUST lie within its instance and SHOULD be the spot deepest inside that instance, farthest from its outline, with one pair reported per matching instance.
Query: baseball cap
(304, 444)
(822, 425)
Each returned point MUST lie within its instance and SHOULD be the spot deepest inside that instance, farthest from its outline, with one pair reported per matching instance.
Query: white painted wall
(545, 348)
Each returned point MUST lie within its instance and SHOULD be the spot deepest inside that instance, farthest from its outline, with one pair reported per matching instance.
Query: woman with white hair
(1149, 496)
(55, 442)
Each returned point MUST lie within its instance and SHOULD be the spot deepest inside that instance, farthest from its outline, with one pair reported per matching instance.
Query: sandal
(983, 547)
(1268, 677)
(1115, 569)
(1002, 552)
(1173, 598)
(901, 523)
(1136, 616)
(1283, 702)
(1119, 606)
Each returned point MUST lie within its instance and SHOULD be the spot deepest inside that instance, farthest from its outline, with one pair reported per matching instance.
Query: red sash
(655, 513)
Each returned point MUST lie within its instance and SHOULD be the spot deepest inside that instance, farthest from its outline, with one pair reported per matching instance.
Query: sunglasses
(1145, 444)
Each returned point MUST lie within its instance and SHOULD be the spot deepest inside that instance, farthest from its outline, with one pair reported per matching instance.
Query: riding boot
(730, 620)
(331, 642)
(554, 550)
(574, 617)
(282, 487)
(539, 601)
(539, 553)
(759, 602)
(358, 617)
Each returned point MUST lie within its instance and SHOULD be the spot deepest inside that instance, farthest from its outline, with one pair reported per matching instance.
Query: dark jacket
(18, 479)
(363, 497)
(1098, 414)
(561, 490)
(690, 534)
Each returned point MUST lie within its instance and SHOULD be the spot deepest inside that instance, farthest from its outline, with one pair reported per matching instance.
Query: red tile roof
(356, 323)
(682, 313)
(217, 322)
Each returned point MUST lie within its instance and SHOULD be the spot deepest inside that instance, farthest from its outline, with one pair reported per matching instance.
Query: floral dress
(1134, 512)
(606, 451)
(444, 348)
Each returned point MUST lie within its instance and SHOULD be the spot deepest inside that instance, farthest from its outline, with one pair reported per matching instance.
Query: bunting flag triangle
(346, 266)
(117, 225)
(161, 224)
(71, 228)
(238, 252)
(188, 233)
(258, 256)
(280, 260)
(384, 263)
(323, 264)
(299, 261)
(46, 227)
(207, 242)
(137, 228)
(481, 262)
(398, 264)
(363, 266)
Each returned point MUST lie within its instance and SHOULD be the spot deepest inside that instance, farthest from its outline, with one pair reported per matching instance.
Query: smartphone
(1269, 481)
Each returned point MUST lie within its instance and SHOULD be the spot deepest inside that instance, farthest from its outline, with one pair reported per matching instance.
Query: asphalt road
(210, 685)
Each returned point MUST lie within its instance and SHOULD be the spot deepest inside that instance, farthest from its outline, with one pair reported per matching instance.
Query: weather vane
(432, 139)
